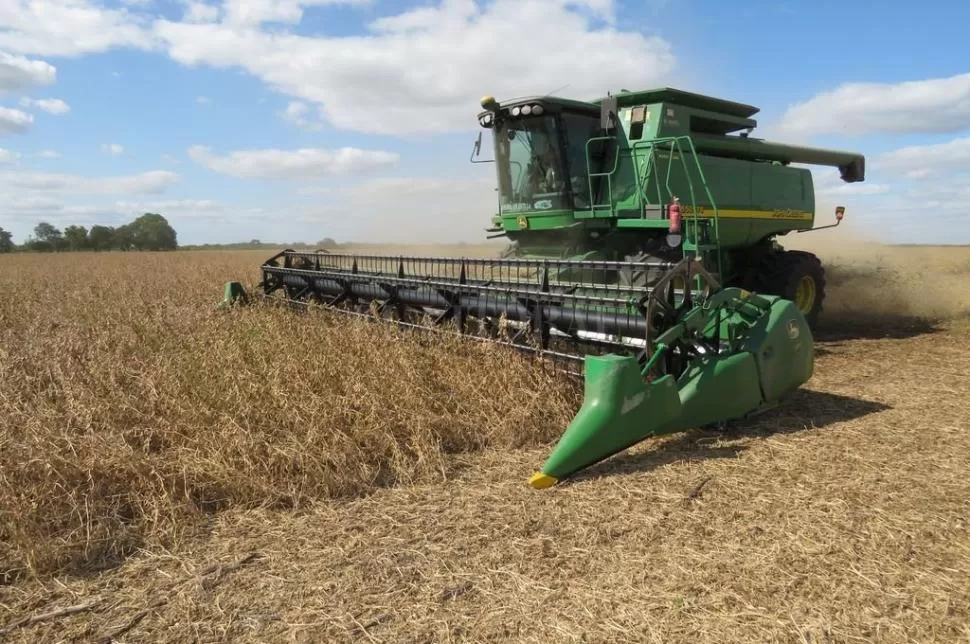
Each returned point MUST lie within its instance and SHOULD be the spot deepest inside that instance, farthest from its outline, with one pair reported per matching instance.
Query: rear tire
(797, 276)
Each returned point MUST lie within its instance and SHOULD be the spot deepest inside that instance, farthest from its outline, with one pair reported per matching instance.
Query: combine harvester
(643, 249)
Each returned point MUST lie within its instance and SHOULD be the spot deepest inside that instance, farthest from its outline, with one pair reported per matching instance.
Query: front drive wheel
(797, 276)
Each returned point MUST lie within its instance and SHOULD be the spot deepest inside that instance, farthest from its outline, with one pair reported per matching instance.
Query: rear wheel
(797, 276)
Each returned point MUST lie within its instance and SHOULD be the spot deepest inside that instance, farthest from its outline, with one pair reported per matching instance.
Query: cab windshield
(541, 162)
(531, 168)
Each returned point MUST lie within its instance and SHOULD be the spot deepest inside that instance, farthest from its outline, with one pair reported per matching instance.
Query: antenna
(559, 89)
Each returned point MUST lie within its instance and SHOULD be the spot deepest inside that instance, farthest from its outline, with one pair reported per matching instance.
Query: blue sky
(289, 120)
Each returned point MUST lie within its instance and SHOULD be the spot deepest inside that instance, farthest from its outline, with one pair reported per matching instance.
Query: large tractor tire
(797, 276)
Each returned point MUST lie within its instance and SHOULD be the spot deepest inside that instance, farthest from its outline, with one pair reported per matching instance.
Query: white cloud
(437, 210)
(30, 204)
(69, 27)
(202, 100)
(254, 12)
(936, 105)
(28, 210)
(296, 114)
(174, 208)
(151, 182)
(420, 71)
(828, 183)
(935, 177)
(917, 160)
(194, 204)
(393, 187)
(304, 163)
(114, 149)
(425, 70)
(19, 73)
(8, 156)
(49, 154)
(832, 189)
(196, 11)
(14, 121)
(50, 105)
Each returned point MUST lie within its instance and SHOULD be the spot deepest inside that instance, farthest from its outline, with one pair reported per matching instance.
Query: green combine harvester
(643, 257)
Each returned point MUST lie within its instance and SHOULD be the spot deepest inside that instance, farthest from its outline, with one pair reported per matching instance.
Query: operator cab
(541, 147)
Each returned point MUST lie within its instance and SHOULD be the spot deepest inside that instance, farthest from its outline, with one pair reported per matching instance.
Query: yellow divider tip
(541, 481)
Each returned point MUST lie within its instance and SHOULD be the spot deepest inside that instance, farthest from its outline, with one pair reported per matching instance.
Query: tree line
(327, 243)
(150, 231)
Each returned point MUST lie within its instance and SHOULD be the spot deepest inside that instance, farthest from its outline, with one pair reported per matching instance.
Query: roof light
(516, 110)
(526, 110)
(537, 110)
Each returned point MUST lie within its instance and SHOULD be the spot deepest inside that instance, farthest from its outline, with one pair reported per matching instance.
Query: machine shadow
(804, 410)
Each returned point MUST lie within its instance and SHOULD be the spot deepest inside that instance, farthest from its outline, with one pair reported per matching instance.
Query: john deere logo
(793, 329)
(522, 221)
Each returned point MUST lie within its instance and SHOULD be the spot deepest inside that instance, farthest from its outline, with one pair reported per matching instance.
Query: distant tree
(6, 241)
(76, 237)
(123, 238)
(47, 238)
(152, 231)
(47, 232)
(101, 238)
(327, 242)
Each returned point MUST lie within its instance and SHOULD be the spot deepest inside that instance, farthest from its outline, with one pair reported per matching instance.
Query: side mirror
(477, 150)
(839, 214)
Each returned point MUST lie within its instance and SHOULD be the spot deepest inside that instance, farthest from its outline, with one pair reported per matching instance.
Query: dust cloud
(870, 281)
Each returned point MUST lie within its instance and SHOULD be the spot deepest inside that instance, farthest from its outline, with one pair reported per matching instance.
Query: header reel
(557, 309)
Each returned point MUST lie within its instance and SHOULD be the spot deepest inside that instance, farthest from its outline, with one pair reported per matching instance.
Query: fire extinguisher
(673, 214)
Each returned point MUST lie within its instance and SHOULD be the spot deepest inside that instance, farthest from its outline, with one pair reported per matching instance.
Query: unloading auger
(678, 312)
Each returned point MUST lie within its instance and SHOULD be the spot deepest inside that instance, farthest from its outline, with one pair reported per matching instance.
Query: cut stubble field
(170, 472)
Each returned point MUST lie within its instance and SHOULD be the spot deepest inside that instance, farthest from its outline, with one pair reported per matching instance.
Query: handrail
(609, 176)
(675, 145)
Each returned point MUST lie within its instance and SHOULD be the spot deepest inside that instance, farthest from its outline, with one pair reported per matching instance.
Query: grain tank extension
(643, 257)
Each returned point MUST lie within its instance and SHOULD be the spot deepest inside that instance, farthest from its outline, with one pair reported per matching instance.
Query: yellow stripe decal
(798, 215)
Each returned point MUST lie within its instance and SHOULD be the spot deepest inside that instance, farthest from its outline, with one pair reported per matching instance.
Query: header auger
(643, 253)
